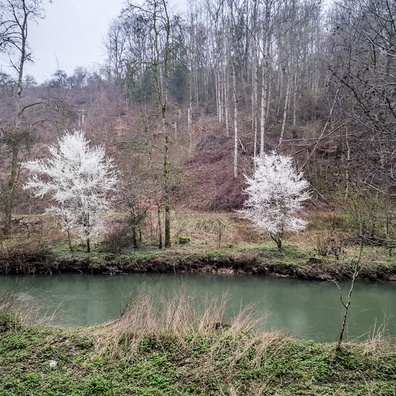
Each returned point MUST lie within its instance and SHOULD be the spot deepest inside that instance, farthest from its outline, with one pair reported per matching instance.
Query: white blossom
(78, 179)
(275, 192)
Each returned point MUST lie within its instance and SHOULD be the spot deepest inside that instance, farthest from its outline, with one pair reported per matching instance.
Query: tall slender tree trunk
(15, 138)
(295, 99)
(235, 122)
(263, 105)
(254, 81)
(254, 108)
(189, 124)
(285, 107)
(167, 207)
(15, 142)
(346, 304)
(218, 95)
(348, 160)
(160, 243)
(162, 30)
(11, 187)
(226, 102)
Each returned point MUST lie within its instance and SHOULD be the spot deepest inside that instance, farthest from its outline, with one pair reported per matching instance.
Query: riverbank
(292, 261)
(219, 243)
(140, 355)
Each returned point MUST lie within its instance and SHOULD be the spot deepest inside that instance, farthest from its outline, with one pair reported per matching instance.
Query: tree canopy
(276, 192)
(79, 181)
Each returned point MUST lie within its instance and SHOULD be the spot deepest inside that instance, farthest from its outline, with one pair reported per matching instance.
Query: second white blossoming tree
(80, 182)
(276, 192)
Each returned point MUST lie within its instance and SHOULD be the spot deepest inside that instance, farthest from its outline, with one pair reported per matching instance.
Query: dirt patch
(211, 170)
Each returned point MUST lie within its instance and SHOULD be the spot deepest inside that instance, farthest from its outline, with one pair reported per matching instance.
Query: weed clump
(8, 320)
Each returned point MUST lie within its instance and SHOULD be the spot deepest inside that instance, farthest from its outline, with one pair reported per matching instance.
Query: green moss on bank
(218, 362)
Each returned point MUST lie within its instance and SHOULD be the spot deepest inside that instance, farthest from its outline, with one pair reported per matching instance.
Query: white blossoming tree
(80, 182)
(275, 192)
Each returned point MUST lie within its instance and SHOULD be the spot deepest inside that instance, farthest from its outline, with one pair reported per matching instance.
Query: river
(305, 309)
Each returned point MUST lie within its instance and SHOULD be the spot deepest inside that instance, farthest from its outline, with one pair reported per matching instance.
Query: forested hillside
(183, 103)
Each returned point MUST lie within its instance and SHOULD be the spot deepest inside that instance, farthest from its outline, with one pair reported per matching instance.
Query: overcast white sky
(72, 34)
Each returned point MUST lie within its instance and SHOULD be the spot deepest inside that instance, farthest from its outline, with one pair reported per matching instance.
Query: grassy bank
(183, 352)
(202, 242)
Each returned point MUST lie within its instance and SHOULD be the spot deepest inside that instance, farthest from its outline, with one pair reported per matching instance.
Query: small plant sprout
(79, 180)
(276, 192)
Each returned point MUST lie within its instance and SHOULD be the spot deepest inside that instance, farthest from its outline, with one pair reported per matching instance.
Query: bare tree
(363, 64)
(15, 18)
(346, 303)
(145, 46)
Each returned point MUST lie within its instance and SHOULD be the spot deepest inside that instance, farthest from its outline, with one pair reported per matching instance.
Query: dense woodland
(183, 103)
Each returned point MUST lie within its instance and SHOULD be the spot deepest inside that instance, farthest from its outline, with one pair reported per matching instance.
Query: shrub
(117, 239)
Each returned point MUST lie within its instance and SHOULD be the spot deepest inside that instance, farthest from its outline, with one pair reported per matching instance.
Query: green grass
(207, 363)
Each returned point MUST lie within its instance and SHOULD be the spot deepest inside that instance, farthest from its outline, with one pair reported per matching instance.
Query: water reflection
(311, 310)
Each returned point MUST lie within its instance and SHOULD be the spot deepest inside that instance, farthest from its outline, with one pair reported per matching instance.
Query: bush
(117, 239)
(330, 245)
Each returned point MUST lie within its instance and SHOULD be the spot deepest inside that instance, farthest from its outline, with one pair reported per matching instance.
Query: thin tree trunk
(347, 304)
(263, 110)
(347, 181)
(161, 65)
(134, 222)
(254, 99)
(254, 77)
(235, 123)
(226, 103)
(11, 187)
(295, 100)
(166, 194)
(254, 114)
(284, 117)
(160, 244)
(16, 137)
(69, 240)
(218, 96)
(277, 239)
(189, 126)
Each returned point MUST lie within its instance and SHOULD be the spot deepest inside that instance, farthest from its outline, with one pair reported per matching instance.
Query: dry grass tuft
(178, 316)
(379, 339)
(8, 317)
(24, 313)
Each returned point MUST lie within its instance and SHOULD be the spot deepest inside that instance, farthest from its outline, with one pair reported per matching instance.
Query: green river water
(305, 309)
